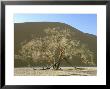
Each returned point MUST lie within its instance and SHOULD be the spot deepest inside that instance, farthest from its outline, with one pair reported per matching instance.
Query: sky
(86, 23)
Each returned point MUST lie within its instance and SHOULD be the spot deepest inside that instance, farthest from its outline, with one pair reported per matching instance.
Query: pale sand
(65, 71)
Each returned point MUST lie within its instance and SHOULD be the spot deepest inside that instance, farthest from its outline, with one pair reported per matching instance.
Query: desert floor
(64, 71)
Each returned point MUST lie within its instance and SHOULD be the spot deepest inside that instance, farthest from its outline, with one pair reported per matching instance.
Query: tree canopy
(55, 47)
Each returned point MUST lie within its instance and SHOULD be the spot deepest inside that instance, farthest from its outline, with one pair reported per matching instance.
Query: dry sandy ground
(65, 71)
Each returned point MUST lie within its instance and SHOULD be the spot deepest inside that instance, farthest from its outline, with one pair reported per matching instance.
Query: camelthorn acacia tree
(55, 47)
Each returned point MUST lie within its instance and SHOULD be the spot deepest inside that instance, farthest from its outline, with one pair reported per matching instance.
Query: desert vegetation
(55, 47)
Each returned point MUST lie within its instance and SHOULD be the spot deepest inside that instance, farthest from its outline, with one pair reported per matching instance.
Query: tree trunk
(58, 65)
(54, 64)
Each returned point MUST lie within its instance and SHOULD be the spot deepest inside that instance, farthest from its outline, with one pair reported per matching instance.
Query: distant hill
(24, 31)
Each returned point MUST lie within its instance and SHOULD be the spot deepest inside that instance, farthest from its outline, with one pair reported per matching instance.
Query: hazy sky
(84, 22)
